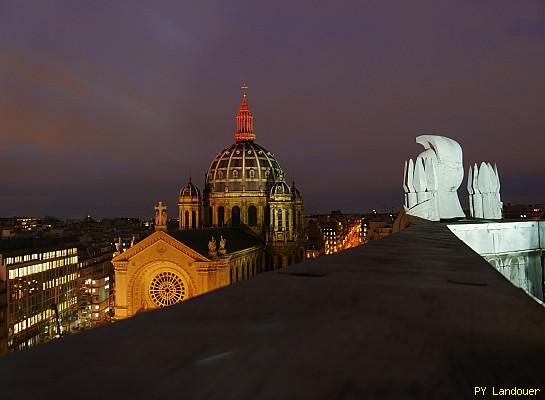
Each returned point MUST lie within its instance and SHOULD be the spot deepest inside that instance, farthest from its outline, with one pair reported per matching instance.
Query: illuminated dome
(244, 166)
(245, 187)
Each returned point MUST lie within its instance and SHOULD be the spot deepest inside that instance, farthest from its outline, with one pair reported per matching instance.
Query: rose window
(166, 289)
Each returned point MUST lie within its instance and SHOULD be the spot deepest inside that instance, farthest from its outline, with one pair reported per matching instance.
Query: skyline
(106, 109)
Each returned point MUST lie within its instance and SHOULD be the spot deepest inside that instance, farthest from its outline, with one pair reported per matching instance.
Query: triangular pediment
(159, 236)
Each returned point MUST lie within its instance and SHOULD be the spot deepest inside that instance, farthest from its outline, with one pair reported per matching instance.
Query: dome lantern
(244, 120)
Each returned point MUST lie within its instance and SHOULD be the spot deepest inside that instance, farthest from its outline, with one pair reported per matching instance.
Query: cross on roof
(160, 207)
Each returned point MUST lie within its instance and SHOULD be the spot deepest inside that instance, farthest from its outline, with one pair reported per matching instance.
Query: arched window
(193, 219)
(235, 216)
(235, 173)
(220, 175)
(252, 174)
(280, 219)
(287, 220)
(267, 216)
(252, 216)
(186, 220)
(221, 216)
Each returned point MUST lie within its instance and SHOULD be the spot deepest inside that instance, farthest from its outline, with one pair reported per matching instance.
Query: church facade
(167, 268)
(247, 220)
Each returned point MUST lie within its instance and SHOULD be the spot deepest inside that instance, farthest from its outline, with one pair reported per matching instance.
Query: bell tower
(189, 207)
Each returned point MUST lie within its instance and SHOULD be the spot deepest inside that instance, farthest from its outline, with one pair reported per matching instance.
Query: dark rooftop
(236, 239)
(26, 245)
(415, 315)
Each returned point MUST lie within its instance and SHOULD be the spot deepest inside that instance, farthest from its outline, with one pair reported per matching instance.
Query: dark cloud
(106, 107)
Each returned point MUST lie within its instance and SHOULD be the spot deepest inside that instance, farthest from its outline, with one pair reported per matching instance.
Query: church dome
(244, 166)
(190, 192)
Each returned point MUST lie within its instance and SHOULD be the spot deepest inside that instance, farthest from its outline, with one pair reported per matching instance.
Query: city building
(99, 288)
(524, 211)
(339, 232)
(378, 225)
(332, 236)
(39, 279)
(247, 220)
(3, 317)
(95, 288)
(315, 246)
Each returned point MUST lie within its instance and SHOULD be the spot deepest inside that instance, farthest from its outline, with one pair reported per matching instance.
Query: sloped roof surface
(236, 239)
(417, 315)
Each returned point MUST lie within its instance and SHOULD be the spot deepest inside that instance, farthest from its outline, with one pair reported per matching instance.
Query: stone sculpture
(212, 247)
(431, 182)
(222, 250)
(483, 186)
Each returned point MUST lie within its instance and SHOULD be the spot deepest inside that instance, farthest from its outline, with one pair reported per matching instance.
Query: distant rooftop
(12, 246)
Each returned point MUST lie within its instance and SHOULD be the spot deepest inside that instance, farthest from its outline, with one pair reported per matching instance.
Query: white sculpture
(431, 182)
(483, 185)
(160, 216)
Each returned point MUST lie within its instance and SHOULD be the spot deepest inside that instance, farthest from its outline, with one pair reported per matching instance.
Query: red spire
(244, 119)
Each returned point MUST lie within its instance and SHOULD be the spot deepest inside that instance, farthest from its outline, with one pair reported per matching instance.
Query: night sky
(106, 106)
